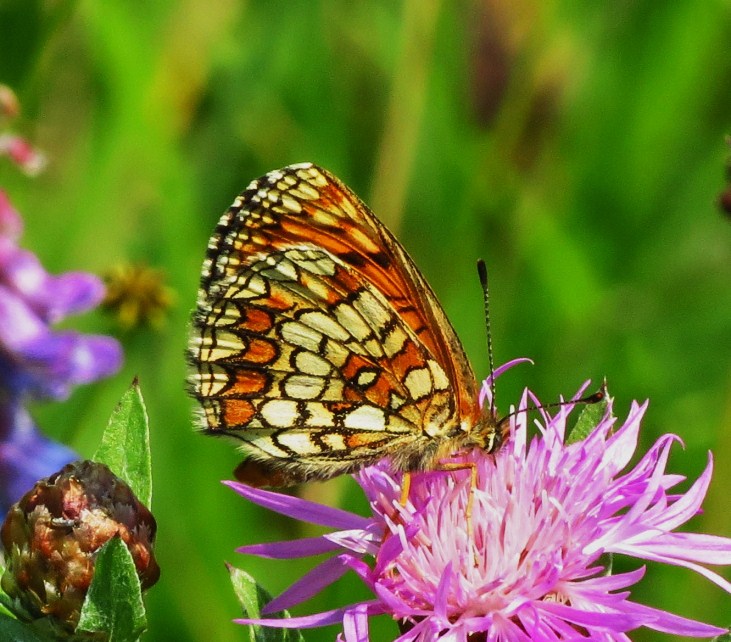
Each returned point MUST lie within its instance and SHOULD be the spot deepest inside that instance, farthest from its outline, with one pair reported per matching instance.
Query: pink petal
(698, 547)
(309, 584)
(670, 623)
(355, 624)
(617, 620)
(623, 443)
(11, 225)
(326, 618)
(300, 509)
(644, 553)
(485, 391)
(605, 583)
(289, 549)
(690, 503)
(356, 540)
(442, 595)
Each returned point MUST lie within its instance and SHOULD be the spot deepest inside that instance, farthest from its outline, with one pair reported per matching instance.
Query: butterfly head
(490, 432)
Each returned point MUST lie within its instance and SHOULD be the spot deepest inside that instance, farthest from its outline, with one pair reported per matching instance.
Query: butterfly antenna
(482, 272)
(595, 397)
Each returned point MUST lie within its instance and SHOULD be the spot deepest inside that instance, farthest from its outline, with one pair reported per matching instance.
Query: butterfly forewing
(317, 342)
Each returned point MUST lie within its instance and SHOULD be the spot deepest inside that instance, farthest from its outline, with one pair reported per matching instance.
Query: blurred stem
(406, 106)
(716, 516)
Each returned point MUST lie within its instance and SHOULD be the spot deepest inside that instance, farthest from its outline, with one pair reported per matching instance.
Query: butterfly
(318, 344)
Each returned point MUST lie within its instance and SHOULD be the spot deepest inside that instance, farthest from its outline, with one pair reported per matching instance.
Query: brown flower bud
(9, 104)
(724, 201)
(53, 534)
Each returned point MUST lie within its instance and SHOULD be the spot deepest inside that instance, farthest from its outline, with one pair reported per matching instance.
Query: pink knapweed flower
(530, 563)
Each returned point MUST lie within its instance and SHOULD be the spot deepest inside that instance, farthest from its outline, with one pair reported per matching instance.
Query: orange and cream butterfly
(318, 344)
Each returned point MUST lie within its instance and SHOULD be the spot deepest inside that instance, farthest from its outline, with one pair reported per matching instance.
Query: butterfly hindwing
(316, 341)
(309, 365)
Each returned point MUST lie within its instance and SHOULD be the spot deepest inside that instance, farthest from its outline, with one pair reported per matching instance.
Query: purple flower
(531, 561)
(26, 455)
(37, 361)
(34, 358)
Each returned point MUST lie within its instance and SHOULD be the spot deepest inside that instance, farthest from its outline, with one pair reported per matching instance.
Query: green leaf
(607, 560)
(589, 419)
(125, 445)
(726, 637)
(7, 607)
(114, 602)
(17, 631)
(252, 598)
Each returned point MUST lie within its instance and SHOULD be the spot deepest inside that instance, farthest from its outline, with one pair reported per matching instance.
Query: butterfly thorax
(444, 436)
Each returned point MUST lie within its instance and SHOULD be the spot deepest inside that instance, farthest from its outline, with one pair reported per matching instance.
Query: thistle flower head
(529, 563)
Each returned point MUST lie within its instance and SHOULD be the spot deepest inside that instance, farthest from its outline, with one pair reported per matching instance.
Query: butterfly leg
(448, 467)
(405, 488)
(472, 467)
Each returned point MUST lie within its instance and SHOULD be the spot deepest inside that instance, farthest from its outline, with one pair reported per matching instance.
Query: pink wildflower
(532, 565)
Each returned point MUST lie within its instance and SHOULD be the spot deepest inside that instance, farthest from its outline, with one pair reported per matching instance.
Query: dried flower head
(53, 534)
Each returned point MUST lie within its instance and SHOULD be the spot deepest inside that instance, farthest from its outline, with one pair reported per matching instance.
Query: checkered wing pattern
(316, 341)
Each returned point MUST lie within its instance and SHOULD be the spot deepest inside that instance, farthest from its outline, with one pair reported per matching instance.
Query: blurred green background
(578, 147)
